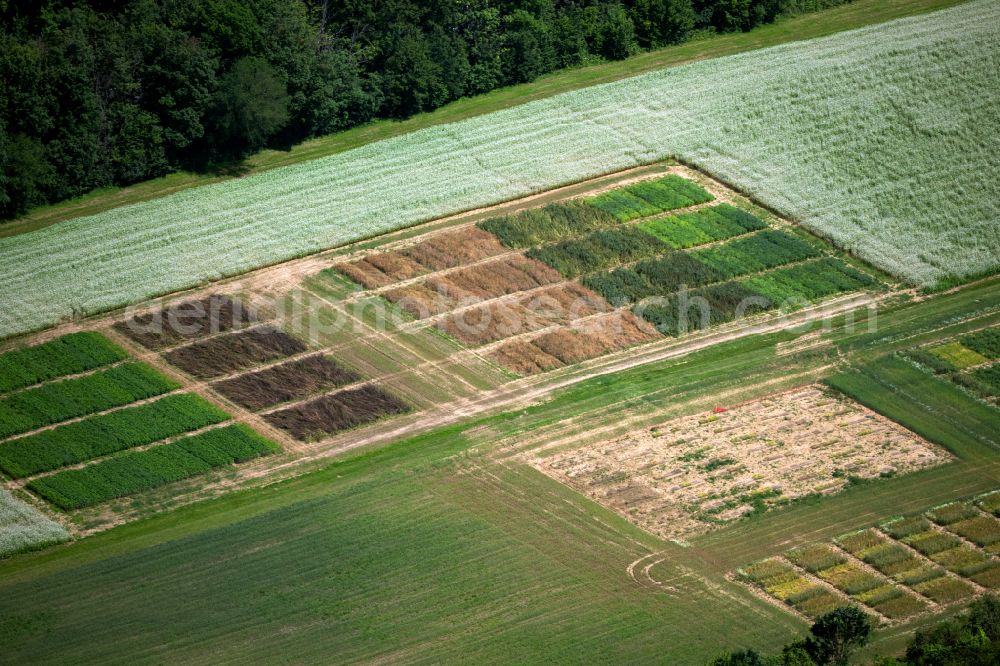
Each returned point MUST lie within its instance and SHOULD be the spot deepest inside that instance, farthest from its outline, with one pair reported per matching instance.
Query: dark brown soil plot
(289, 381)
(186, 321)
(337, 411)
(227, 354)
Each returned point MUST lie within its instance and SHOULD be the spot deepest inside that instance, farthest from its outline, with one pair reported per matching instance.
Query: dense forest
(114, 92)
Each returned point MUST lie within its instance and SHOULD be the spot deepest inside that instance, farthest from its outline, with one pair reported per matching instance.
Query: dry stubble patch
(694, 473)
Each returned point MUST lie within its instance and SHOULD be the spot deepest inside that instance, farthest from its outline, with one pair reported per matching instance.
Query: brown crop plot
(289, 381)
(560, 304)
(443, 293)
(337, 411)
(237, 351)
(693, 473)
(443, 250)
(186, 321)
(573, 344)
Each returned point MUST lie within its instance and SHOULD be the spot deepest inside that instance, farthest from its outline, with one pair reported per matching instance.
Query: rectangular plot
(133, 472)
(237, 351)
(101, 435)
(34, 408)
(550, 223)
(66, 355)
(289, 381)
(850, 579)
(336, 412)
(490, 322)
(650, 197)
(599, 251)
(809, 282)
(963, 560)
(986, 342)
(945, 589)
(189, 320)
(952, 513)
(783, 446)
(768, 249)
(613, 332)
(815, 558)
(957, 355)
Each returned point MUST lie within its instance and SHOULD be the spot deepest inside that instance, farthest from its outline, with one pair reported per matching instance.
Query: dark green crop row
(51, 403)
(658, 277)
(132, 472)
(108, 433)
(720, 303)
(702, 226)
(985, 342)
(668, 274)
(650, 197)
(557, 221)
(68, 355)
(760, 252)
(598, 251)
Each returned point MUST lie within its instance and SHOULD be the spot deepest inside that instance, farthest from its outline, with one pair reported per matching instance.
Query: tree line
(112, 92)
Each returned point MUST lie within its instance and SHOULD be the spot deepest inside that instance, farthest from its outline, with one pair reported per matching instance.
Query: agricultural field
(89, 423)
(779, 123)
(552, 286)
(641, 373)
(23, 527)
(430, 534)
(898, 570)
(688, 475)
(972, 361)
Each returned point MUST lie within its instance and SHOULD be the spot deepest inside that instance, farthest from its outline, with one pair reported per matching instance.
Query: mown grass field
(441, 547)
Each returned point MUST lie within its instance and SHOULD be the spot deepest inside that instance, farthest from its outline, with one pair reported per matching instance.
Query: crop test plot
(696, 472)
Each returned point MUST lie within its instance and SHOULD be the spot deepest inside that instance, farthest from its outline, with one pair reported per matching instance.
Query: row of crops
(95, 422)
(105, 434)
(970, 361)
(727, 301)
(650, 197)
(132, 472)
(68, 355)
(899, 569)
(70, 398)
(568, 220)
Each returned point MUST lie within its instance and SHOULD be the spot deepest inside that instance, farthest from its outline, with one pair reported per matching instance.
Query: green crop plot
(554, 222)
(650, 197)
(957, 355)
(101, 435)
(702, 226)
(130, 473)
(70, 354)
(70, 398)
